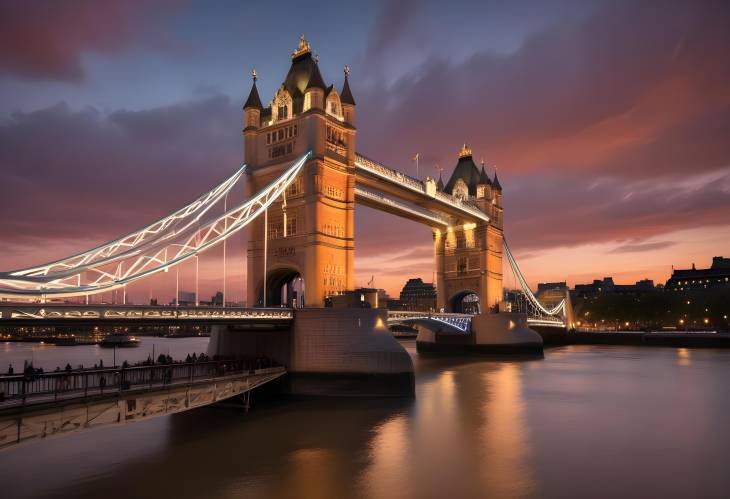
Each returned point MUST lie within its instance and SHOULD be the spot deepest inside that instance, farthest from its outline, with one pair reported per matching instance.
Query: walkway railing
(26, 389)
(416, 185)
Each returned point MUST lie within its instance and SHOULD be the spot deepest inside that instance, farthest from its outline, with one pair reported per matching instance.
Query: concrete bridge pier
(329, 351)
(492, 333)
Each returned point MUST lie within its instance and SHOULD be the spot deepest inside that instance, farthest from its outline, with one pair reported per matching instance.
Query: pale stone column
(494, 266)
(438, 254)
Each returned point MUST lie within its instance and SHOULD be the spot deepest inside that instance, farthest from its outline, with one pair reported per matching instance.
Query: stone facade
(310, 232)
(469, 256)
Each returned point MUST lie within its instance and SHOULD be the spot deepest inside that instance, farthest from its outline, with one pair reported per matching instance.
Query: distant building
(186, 298)
(607, 286)
(418, 295)
(717, 276)
(394, 304)
(551, 286)
(551, 293)
(383, 298)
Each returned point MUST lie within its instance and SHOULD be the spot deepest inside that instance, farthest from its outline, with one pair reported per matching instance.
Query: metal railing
(33, 388)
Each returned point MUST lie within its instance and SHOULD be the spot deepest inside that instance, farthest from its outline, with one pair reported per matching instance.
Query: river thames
(585, 421)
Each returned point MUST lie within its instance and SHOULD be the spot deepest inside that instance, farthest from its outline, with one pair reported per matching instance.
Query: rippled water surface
(588, 421)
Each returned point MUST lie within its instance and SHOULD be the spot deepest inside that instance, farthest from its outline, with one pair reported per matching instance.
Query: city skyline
(607, 126)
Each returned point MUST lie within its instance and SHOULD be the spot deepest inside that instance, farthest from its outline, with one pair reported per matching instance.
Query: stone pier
(329, 351)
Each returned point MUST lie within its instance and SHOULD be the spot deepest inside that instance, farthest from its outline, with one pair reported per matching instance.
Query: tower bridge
(304, 179)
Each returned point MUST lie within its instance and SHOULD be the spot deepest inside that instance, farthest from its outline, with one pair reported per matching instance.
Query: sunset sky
(608, 121)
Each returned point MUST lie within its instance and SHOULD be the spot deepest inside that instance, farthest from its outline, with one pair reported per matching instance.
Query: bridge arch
(285, 286)
(465, 301)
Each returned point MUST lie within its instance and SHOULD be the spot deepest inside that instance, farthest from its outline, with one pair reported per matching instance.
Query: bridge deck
(58, 314)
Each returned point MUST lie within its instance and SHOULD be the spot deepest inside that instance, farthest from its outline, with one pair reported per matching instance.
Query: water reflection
(389, 450)
(504, 436)
(683, 357)
(584, 422)
(465, 437)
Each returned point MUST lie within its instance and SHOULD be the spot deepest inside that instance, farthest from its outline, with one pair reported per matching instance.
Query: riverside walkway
(34, 406)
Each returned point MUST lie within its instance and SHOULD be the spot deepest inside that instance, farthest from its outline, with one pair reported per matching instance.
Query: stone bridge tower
(310, 233)
(469, 255)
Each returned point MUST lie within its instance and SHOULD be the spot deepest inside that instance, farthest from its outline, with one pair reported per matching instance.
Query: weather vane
(254, 76)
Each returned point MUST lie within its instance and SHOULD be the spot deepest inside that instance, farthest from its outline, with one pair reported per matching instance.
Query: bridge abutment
(329, 351)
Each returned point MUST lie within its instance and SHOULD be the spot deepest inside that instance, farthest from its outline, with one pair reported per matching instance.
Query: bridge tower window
(283, 112)
(461, 265)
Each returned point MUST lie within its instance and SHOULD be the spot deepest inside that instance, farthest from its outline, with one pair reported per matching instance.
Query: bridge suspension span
(537, 313)
(155, 248)
(192, 229)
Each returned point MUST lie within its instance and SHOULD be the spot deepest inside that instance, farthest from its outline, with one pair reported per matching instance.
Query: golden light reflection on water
(503, 436)
(431, 452)
(683, 357)
(389, 452)
(313, 473)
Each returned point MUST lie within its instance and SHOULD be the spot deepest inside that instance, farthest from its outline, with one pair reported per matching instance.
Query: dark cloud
(391, 22)
(636, 89)
(46, 40)
(543, 211)
(72, 173)
(641, 247)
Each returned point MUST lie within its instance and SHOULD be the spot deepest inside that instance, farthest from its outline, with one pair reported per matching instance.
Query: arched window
(281, 105)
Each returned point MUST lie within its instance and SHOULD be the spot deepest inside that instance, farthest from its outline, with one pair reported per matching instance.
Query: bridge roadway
(42, 405)
(64, 314)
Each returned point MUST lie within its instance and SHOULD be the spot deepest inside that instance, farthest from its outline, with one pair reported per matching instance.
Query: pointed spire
(315, 79)
(483, 177)
(440, 183)
(253, 101)
(346, 95)
(496, 183)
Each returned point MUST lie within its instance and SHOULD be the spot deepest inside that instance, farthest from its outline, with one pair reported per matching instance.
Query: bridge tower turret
(469, 254)
(348, 101)
(251, 115)
(310, 232)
